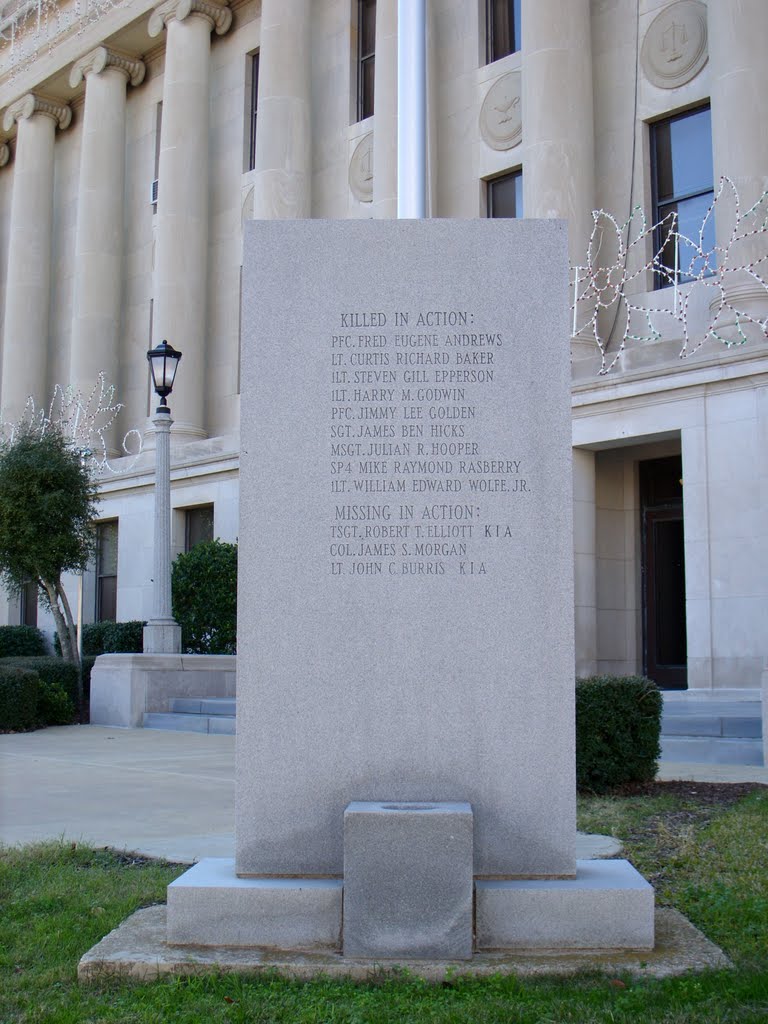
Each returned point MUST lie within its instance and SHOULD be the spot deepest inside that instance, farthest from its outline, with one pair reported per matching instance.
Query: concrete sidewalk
(164, 794)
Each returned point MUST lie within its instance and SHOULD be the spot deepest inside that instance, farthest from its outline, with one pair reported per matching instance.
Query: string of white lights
(84, 421)
(30, 27)
(731, 273)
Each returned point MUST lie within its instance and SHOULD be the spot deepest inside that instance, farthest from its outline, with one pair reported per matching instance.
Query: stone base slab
(138, 949)
(609, 905)
(210, 906)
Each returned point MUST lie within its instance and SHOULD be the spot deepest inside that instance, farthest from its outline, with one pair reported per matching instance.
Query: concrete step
(204, 706)
(711, 750)
(218, 724)
(712, 725)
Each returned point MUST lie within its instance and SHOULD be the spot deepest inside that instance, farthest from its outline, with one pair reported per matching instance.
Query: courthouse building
(137, 139)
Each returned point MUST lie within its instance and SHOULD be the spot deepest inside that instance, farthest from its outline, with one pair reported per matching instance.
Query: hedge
(21, 642)
(19, 691)
(204, 585)
(52, 671)
(618, 724)
(110, 638)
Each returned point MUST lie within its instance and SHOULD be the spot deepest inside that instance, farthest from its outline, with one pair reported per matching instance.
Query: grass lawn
(705, 848)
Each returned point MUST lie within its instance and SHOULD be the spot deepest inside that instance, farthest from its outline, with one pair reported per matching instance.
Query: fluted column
(385, 112)
(99, 236)
(28, 284)
(558, 116)
(283, 157)
(181, 253)
(738, 70)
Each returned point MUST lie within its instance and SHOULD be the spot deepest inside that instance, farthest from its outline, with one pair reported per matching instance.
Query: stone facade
(92, 272)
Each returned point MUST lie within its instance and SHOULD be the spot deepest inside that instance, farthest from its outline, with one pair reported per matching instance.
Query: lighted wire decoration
(608, 295)
(84, 422)
(29, 27)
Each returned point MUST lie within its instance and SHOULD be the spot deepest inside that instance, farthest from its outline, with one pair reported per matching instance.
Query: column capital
(216, 12)
(5, 154)
(101, 58)
(32, 104)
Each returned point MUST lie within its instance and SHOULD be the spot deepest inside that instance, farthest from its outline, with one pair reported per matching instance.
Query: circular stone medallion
(501, 116)
(675, 45)
(361, 170)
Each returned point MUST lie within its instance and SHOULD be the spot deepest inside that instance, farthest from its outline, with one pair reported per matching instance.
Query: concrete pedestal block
(408, 880)
(210, 906)
(609, 905)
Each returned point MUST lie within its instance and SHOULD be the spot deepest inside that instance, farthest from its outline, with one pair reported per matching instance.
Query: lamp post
(162, 635)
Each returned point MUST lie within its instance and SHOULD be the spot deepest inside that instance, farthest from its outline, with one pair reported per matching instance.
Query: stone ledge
(209, 905)
(608, 905)
(138, 949)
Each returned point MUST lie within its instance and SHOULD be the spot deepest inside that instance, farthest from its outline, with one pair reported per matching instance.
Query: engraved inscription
(413, 490)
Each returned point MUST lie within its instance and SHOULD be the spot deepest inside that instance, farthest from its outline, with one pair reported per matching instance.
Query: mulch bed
(704, 792)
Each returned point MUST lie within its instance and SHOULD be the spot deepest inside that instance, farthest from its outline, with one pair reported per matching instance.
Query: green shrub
(123, 637)
(109, 638)
(19, 689)
(21, 642)
(54, 675)
(618, 723)
(54, 705)
(52, 672)
(204, 584)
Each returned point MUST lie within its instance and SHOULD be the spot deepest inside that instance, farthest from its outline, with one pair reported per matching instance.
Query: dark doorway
(664, 639)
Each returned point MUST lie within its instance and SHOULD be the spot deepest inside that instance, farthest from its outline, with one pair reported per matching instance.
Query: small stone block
(408, 880)
(609, 905)
(210, 906)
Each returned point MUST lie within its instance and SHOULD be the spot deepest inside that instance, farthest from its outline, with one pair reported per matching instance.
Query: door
(664, 629)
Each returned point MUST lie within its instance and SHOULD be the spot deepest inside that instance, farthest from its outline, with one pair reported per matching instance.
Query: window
(502, 28)
(252, 92)
(505, 195)
(28, 605)
(366, 56)
(198, 526)
(106, 571)
(681, 155)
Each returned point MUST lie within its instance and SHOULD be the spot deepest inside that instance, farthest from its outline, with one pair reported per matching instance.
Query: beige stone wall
(713, 407)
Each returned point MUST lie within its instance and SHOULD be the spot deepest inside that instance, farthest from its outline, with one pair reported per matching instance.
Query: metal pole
(80, 647)
(162, 635)
(411, 109)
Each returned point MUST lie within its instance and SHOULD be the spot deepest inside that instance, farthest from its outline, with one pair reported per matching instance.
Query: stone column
(28, 284)
(385, 112)
(5, 154)
(99, 237)
(181, 251)
(738, 85)
(558, 117)
(283, 157)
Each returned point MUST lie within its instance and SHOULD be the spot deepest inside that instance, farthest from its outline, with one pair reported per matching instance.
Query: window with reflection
(366, 56)
(502, 28)
(252, 92)
(106, 571)
(681, 155)
(198, 526)
(505, 195)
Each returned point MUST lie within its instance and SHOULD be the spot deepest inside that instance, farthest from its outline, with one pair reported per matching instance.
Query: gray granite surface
(406, 554)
